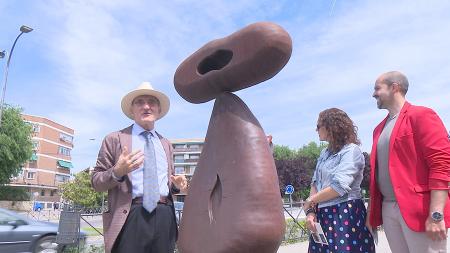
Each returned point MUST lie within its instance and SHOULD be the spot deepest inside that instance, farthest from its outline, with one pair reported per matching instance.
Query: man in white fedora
(135, 166)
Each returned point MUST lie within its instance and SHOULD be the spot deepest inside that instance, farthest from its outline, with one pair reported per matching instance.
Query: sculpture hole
(215, 199)
(215, 61)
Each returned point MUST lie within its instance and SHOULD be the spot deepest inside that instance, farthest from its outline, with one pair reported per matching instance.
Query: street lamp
(23, 29)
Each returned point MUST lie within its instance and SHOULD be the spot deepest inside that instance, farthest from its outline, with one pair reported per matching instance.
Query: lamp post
(23, 29)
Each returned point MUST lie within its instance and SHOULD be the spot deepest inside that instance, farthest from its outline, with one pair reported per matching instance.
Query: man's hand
(310, 220)
(436, 231)
(179, 181)
(128, 162)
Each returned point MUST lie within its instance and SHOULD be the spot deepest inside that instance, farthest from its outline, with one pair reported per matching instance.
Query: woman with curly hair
(335, 200)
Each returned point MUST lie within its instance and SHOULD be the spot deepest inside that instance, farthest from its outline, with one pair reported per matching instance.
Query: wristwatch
(437, 216)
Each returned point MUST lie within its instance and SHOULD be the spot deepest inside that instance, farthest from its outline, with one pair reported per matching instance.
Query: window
(52, 193)
(35, 145)
(66, 138)
(20, 175)
(5, 218)
(63, 151)
(31, 175)
(42, 192)
(194, 146)
(179, 158)
(179, 170)
(61, 178)
(35, 128)
(179, 146)
(194, 156)
(192, 169)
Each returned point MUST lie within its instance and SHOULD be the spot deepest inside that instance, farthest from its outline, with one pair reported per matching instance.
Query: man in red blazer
(135, 166)
(410, 174)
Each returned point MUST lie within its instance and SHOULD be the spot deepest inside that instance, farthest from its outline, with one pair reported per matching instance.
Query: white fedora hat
(145, 89)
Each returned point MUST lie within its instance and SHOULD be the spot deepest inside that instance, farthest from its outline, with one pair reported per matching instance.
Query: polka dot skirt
(344, 228)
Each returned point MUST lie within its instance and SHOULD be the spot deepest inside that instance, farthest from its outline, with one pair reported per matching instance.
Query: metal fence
(48, 215)
(295, 225)
(70, 216)
(44, 215)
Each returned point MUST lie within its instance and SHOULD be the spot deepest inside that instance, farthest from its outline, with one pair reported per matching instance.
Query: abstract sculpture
(234, 202)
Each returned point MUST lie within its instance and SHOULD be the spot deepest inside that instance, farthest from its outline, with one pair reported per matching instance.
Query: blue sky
(83, 56)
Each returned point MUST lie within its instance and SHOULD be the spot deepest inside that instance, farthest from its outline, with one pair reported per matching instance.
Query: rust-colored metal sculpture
(234, 202)
(247, 57)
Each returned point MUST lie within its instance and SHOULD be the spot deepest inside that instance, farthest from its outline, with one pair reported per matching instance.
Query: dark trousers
(145, 232)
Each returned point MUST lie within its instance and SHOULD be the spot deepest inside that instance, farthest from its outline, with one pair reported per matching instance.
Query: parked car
(21, 234)
(38, 206)
(178, 210)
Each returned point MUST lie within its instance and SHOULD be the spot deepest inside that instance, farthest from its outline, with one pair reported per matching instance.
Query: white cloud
(89, 54)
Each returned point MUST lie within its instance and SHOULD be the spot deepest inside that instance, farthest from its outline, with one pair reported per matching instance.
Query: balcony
(58, 183)
(186, 160)
(177, 149)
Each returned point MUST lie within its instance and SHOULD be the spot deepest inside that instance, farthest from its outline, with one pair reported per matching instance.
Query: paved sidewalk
(382, 246)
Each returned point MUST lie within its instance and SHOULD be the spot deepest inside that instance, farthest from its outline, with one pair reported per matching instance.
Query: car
(21, 234)
(178, 209)
(38, 206)
(178, 205)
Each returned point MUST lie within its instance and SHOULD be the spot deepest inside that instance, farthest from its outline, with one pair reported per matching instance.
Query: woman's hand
(310, 220)
(308, 203)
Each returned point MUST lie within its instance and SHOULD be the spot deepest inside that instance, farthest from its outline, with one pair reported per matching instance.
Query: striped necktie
(151, 187)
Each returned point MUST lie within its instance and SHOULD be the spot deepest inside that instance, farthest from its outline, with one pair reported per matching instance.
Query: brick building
(186, 153)
(50, 163)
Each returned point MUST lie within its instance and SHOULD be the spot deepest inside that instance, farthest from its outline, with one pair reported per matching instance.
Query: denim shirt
(342, 171)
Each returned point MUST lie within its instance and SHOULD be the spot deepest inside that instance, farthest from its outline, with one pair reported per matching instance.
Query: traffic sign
(289, 189)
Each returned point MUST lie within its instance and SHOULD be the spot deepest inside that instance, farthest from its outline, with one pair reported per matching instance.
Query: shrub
(13, 193)
(294, 233)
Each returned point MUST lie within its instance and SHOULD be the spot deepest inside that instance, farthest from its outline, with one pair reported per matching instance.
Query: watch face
(437, 216)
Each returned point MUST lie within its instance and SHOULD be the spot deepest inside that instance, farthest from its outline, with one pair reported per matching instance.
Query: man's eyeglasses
(141, 102)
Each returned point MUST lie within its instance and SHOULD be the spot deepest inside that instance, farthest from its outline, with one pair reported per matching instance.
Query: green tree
(365, 184)
(15, 143)
(283, 153)
(13, 193)
(312, 150)
(80, 192)
(296, 172)
(296, 167)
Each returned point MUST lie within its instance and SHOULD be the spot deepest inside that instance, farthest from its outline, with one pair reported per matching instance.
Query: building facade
(186, 153)
(51, 161)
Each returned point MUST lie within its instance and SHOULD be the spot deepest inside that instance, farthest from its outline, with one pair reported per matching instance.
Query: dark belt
(162, 200)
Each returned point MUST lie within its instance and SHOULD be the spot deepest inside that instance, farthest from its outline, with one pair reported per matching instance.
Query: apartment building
(186, 153)
(50, 163)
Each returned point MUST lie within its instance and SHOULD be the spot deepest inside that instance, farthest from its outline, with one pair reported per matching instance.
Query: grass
(90, 231)
(294, 233)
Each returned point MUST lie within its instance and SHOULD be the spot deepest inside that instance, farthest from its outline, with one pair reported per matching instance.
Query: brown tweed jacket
(119, 193)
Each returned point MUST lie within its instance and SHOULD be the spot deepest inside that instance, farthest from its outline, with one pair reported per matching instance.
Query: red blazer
(419, 161)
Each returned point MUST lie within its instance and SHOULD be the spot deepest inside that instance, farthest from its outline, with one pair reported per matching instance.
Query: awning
(65, 164)
(33, 157)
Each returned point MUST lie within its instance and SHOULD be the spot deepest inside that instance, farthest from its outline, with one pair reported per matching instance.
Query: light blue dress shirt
(137, 176)
(342, 171)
